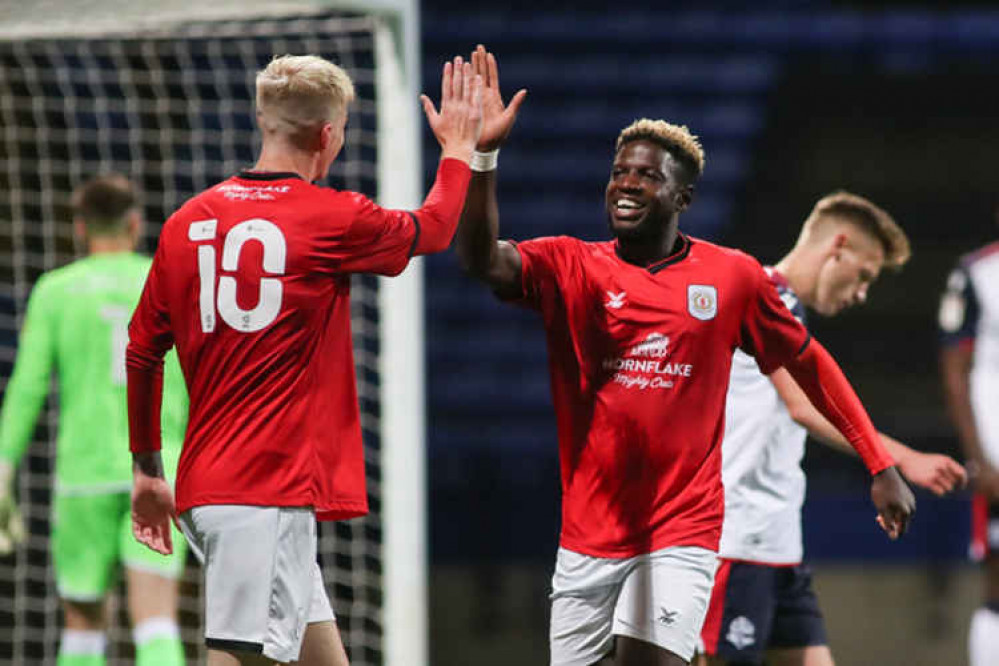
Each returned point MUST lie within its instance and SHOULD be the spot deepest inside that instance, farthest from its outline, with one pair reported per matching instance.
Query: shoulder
(58, 279)
(986, 254)
(726, 259)
(553, 245)
(563, 250)
(138, 263)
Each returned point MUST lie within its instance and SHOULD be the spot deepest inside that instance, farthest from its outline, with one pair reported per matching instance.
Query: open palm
(497, 118)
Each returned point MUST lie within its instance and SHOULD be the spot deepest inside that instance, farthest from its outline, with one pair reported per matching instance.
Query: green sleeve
(29, 383)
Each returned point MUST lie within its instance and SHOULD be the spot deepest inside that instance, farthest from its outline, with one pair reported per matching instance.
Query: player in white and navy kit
(969, 326)
(763, 599)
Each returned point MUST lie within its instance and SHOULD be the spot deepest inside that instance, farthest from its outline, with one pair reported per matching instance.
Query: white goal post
(400, 622)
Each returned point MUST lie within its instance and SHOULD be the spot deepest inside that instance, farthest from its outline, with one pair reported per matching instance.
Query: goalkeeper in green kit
(77, 324)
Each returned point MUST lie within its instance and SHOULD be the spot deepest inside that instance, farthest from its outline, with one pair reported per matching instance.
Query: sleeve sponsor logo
(953, 306)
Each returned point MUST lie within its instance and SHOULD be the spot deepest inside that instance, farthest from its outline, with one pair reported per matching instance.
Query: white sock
(155, 627)
(983, 638)
(76, 641)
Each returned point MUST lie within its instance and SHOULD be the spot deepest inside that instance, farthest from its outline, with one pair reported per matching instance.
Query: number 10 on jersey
(223, 292)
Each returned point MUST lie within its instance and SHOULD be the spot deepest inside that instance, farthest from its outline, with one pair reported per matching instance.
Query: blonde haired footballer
(251, 283)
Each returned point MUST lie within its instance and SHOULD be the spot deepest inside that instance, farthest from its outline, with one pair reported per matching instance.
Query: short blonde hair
(300, 93)
(677, 139)
(866, 216)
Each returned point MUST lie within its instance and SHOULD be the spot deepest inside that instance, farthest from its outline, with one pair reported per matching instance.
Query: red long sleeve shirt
(251, 282)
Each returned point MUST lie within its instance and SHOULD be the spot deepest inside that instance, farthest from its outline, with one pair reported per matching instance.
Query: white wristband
(482, 162)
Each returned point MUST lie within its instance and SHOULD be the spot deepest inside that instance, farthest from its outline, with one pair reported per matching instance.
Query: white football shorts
(660, 598)
(263, 585)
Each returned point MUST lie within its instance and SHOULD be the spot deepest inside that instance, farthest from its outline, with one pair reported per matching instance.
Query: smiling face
(853, 264)
(644, 193)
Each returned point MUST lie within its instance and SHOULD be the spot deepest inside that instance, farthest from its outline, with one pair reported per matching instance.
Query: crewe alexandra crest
(702, 301)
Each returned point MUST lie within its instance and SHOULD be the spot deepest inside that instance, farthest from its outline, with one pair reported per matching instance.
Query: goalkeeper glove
(11, 526)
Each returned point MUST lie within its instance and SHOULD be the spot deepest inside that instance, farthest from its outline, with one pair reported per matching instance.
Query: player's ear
(684, 197)
(80, 229)
(325, 136)
(839, 243)
(135, 227)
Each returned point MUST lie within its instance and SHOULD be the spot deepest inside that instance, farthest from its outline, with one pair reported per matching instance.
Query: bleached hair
(296, 93)
(677, 139)
(872, 219)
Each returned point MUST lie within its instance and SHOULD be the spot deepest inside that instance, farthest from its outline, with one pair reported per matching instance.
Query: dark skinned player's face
(643, 193)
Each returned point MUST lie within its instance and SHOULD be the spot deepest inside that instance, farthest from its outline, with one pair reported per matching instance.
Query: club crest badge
(702, 301)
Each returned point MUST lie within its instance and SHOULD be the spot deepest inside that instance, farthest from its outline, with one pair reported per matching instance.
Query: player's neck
(109, 245)
(644, 251)
(799, 271)
(285, 159)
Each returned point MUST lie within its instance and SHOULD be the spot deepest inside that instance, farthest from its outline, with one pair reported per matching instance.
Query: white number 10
(275, 254)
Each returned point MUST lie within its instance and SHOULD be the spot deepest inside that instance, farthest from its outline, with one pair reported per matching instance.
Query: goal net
(172, 107)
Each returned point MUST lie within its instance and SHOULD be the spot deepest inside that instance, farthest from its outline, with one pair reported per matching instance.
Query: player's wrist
(484, 161)
(6, 477)
(461, 153)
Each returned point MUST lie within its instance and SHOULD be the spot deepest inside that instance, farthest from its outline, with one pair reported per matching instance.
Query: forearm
(441, 210)
(23, 400)
(478, 231)
(145, 395)
(829, 391)
(17, 420)
(955, 371)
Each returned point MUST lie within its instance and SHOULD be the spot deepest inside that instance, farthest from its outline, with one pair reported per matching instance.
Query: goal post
(163, 93)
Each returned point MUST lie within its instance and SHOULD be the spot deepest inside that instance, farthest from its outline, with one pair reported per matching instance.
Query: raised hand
(894, 501)
(497, 119)
(935, 472)
(152, 511)
(458, 124)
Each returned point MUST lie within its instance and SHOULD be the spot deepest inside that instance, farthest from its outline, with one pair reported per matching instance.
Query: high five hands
(458, 124)
(497, 118)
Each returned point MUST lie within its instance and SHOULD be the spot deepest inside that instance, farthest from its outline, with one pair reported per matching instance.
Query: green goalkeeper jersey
(77, 325)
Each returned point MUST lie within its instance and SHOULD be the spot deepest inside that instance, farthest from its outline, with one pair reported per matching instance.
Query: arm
(955, 370)
(937, 473)
(958, 319)
(457, 128)
(494, 262)
(29, 383)
(149, 339)
(23, 400)
(823, 382)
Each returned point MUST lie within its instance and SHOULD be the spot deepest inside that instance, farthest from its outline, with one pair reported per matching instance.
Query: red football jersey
(251, 281)
(639, 361)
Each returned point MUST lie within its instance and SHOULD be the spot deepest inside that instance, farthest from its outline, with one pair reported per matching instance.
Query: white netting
(173, 110)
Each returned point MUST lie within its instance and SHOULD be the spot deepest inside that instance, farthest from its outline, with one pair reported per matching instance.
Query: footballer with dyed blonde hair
(251, 282)
(298, 93)
(641, 330)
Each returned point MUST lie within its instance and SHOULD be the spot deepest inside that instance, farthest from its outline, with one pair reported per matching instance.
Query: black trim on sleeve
(234, 646)
(247, 174)
(416, 236)
(804, 345)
